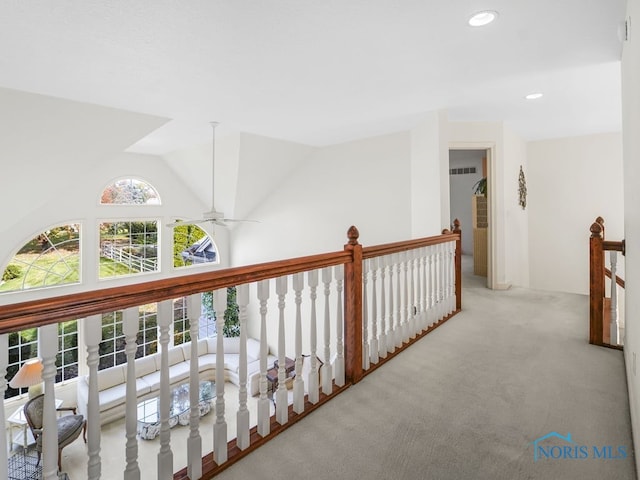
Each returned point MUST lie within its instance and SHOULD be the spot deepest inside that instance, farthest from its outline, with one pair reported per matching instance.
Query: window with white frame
(23, 346)
(147, 339)
(50, 258)
(111, 348)
(130, 191)
(67, 357)
(192, 246)
(128, 248)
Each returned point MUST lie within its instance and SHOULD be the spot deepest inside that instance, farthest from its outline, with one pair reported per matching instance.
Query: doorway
(469, 202)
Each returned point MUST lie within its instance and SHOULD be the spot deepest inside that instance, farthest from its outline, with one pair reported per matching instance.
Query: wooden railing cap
(353, 234)
(596, 229)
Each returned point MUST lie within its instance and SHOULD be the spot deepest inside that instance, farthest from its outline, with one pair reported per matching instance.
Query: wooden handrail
(36, 313)
(619, 280)
(609, 245)
(597, 274)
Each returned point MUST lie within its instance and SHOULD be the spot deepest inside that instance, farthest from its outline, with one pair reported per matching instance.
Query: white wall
(631, 147)
(361, 183)
(461, 191)
(426, 174)
(516, 219)
(571, 181)
(263, 163)
(50, 145)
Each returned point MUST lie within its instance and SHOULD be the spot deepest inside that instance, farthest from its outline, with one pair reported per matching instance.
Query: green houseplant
(480, 187)
(231, 314)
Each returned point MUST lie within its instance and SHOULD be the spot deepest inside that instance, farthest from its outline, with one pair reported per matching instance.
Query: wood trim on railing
(458, 231)
(597, 274)
(609, 245)
(353, 309)
(389, 248)
(619, 280)
(596, 283)
(35, 313)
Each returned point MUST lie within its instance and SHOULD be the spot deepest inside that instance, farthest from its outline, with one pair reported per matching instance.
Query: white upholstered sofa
(111, 381)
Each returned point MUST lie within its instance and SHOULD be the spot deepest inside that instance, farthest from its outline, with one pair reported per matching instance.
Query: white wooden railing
(373, 303)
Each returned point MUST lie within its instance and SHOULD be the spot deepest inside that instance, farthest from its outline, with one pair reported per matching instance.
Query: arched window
(48, 259)
(130, 191)
(192, 246)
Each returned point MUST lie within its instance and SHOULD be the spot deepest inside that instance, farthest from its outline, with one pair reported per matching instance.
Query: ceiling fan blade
(177, 223)
(239, 220)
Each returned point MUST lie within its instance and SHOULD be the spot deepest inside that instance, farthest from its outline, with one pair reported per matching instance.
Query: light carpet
(468, 400)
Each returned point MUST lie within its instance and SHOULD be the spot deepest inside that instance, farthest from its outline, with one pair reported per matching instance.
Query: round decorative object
(522, 190)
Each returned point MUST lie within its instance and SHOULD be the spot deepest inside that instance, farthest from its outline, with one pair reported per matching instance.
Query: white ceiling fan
(213, 215)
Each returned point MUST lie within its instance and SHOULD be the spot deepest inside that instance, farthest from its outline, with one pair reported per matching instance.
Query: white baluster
(412, 293)
(48, 348)
(263, 403)
(339, 363)
(4, 360)
(424, 302)
(365, 315)
(326, 371)
(130, 323)
(242, 437)
(399, 321)
(220, 453)
(194, 440)
(391, 336)
(373, 346)
(282, 402)
(613, 258)
(313, 382)
(452, 276)
(92, 337)
(406, 328)
(298, 383)
(446, 283)
(444, 269)
(431, 260)
(383, 342)
(445, 280)
(436, 283)
(165, 455)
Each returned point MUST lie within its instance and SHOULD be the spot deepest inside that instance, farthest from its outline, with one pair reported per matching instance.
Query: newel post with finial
(596, 282)
(458, 231)
(353, 308)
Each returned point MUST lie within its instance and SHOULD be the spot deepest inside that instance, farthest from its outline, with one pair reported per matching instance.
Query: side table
(272, 374)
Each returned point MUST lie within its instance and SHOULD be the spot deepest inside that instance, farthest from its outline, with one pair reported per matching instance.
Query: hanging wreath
(522, 189)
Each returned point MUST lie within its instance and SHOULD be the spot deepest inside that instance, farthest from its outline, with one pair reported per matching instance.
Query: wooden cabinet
(480, 224)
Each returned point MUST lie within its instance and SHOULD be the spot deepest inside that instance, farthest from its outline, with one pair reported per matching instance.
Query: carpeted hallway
(468, 400)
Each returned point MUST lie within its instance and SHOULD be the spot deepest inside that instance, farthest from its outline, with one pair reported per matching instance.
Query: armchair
(69, 426)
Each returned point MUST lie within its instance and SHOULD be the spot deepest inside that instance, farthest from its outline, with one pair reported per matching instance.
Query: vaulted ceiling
(321, 72)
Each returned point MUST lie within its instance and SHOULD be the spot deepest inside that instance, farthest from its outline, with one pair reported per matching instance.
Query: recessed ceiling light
(533, 96)
(482, 18)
